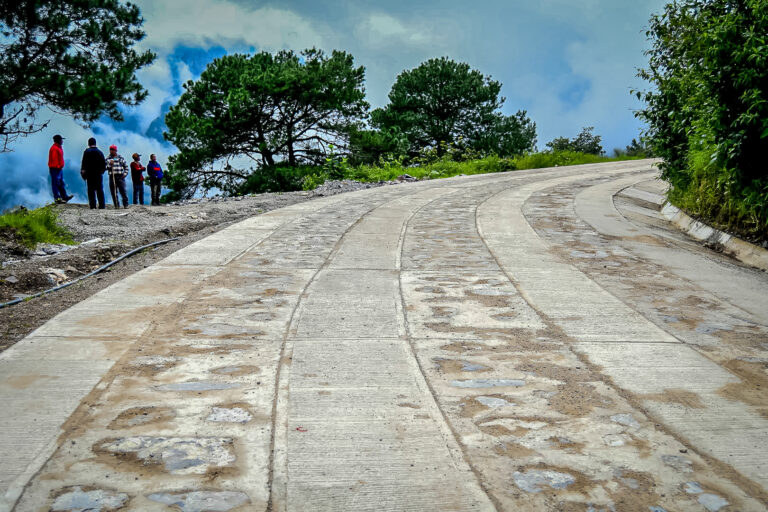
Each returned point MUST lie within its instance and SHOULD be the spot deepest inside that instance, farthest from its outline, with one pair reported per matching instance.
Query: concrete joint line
(279, 498)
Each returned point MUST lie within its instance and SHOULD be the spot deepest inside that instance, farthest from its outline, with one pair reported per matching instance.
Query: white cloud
(208, 23)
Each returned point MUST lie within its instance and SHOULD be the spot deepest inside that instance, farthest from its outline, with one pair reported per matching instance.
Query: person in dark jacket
(91, 169)
(56, 170)
(137, 178)
(155, 173)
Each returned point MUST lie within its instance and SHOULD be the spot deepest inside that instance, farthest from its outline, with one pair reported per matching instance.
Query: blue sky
(569, 64)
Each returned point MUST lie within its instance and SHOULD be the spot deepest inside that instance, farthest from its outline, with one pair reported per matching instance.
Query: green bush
(707, 194)
(562, 158)
(707, 109)
(276, 178)
(31, 227)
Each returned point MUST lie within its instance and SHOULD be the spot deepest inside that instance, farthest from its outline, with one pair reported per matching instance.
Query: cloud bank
(568, 64)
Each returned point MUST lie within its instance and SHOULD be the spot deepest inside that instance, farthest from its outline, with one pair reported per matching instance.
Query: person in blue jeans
(56, 169)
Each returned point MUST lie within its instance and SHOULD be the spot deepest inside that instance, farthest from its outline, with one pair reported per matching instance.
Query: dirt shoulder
(104, 235)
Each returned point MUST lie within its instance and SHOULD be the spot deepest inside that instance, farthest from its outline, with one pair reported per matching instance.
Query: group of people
(92, 168)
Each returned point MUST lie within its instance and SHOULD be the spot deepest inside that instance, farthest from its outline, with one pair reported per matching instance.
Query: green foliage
(584, 142)
(708, 67)
(31, 227)
(442, 102)
(561, 158)
(369, 146)
(76, 56)
(640, 149)
(252, 111)
(708, 195)
(274, 178)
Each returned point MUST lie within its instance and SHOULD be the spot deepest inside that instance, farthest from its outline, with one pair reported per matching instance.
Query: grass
(710, 196)
(30, 227)
(446, 168)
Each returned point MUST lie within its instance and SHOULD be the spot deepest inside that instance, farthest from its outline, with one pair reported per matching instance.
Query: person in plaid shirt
(118, 170)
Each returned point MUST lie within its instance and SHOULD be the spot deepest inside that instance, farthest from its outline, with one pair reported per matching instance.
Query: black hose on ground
(100, 269)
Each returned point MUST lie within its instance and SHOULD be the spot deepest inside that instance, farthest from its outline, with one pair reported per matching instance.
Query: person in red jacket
(56, 169)
(137, 178)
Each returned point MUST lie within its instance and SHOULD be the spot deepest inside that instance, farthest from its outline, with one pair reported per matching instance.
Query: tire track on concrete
(346, 484)
(562, 314)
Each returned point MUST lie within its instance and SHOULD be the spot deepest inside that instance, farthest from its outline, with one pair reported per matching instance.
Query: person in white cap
(118, 170)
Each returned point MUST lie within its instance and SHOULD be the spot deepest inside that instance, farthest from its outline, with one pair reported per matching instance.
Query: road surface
(534, 340)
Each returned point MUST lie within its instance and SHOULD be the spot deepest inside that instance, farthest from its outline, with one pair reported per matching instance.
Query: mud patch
(139, 416)
(636, 490)
(753, 388)
(513, 450)
(409, 405)
(557, 372)
(578, 399)
(676, 396)
(565, 444)
(471, 406)
(497, 430)
(152, 365)
(462, 347)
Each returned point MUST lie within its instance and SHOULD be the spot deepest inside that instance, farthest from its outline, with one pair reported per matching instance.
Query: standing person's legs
(55, 177)
(91, 181)
(138, 193)
(155, 186)
(99, 186)
(113, 191)
(121, 187)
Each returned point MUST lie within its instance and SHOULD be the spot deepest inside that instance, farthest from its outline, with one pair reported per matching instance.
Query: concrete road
(535, 340)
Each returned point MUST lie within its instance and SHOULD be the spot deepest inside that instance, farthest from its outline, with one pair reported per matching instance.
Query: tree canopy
(584, 142)
(442, 102)
(251, 111)
(707, 110)
(75, 56)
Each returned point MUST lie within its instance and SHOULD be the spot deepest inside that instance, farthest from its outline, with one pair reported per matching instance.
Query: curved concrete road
(535, 340)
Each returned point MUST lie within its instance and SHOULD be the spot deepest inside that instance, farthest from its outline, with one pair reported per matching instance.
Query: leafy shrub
(276, 178)
(708, 68)
(31, 227)
(584, 142)
(561, 158)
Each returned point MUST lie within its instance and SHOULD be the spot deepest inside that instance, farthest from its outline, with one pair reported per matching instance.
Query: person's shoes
(68, 198)
(117, 207)
(125, 206)
(59, 200)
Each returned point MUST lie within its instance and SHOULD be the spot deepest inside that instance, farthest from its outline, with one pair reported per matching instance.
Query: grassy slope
(30, 227)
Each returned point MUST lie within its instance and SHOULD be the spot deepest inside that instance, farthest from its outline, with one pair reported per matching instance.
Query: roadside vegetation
(707, 110)
(30, 227)
(286, 121)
